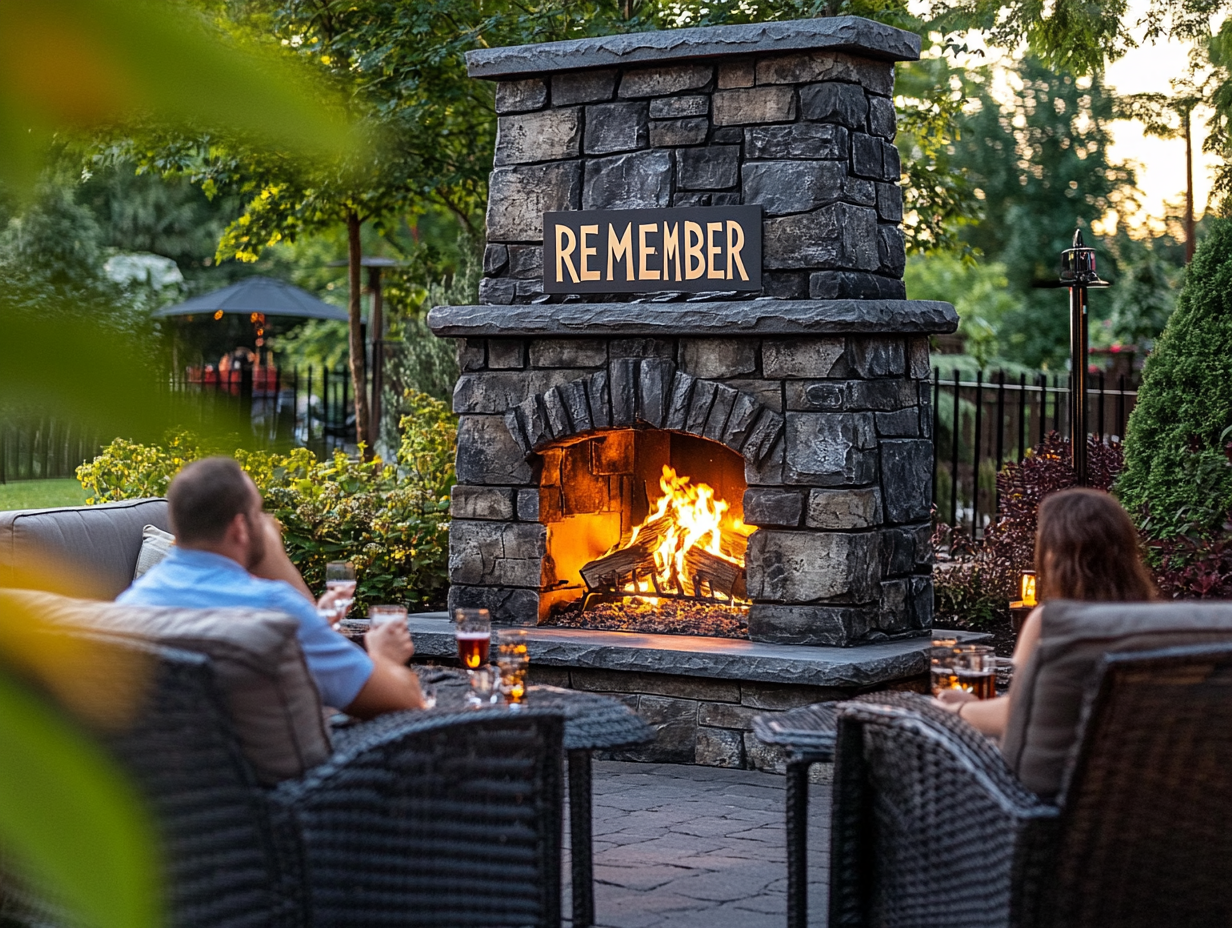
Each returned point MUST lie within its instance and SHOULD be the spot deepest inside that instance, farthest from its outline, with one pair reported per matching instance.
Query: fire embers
(687, 547)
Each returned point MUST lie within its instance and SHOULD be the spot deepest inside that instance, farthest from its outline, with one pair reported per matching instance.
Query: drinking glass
(512, 659)
(379, 615)
(340, 578)
(473, 630)
(975, 670)
(941, 668)
(485, 688)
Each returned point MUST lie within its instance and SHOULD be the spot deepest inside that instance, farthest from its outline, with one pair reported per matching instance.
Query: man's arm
(275, 564)
(392, 685)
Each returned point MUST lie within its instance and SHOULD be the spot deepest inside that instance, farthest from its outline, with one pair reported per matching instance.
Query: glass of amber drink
(473, 630)
(941, 667)
(975, 670)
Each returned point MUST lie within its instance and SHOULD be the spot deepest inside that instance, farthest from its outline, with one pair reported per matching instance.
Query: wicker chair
(448, 819)
(930, 827)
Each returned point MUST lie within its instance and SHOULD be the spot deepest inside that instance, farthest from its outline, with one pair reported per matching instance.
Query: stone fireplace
(801, 406)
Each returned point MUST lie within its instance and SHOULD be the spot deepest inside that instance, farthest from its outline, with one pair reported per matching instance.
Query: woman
(1086, 548)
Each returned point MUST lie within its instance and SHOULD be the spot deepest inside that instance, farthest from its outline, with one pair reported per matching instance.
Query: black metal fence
(311, 408)
(983, 420)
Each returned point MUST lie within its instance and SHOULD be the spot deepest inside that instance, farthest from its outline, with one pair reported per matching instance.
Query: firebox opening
(596, 495)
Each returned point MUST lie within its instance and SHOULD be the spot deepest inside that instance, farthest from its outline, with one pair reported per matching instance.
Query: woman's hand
(953, 700)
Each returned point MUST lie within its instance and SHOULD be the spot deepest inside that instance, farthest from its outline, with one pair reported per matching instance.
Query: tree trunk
(1189, 190)
(355, 340)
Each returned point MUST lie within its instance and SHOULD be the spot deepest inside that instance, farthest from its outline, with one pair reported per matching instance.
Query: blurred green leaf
(70, 819)
(82, 65)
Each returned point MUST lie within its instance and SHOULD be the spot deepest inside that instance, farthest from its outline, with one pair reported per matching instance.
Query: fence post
(1022, 416)
(954, 430)
(975, 453)
(1121, 407)
(935, 433)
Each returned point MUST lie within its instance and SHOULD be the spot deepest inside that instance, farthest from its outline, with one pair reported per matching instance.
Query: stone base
(700, 694)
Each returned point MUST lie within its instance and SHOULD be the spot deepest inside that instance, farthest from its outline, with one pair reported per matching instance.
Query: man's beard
(256, 542)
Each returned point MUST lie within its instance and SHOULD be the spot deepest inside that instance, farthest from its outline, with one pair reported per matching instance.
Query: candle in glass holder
(1026, 588)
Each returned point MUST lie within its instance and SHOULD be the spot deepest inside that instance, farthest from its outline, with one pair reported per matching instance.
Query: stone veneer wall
(808, 135)
(838, 466)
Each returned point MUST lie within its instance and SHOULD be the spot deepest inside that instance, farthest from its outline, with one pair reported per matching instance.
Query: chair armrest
(450, 818)
(929, 826)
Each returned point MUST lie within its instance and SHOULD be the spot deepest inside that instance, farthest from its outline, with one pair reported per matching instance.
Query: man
(229, 553)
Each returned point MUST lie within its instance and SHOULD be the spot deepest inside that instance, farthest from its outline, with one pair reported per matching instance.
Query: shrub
(391, 520)
(1174, 469)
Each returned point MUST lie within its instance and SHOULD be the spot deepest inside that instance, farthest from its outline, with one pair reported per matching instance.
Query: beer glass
(473, 631)
(941, 667)
(379, 615)
(340, 579)
(975, 670)
(512, 658)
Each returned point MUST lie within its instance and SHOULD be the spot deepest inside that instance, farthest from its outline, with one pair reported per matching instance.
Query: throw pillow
(155, 545)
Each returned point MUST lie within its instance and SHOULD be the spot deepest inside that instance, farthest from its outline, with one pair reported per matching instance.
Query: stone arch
(646, 393)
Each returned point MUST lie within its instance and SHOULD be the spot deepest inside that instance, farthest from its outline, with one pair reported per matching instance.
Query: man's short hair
(205, 497)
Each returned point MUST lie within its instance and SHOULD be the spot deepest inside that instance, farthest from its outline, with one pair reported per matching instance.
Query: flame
(693, 517)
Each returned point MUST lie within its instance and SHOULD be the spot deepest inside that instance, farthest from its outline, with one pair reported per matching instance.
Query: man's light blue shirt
(203, 580)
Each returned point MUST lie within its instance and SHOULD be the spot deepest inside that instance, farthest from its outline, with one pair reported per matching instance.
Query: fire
(687, 516)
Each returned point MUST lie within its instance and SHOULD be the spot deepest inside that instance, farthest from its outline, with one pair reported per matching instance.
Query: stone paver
(698, 847)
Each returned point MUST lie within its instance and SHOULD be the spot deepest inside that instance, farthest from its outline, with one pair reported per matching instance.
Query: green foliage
(1175, 467)
(391, 520)
(978, 291)
(1147, 284)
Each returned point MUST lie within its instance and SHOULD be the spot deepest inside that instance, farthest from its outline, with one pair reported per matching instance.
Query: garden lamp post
(1079, 275)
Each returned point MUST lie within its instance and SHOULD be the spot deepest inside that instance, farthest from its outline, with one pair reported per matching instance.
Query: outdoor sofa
(412, 819)
(1109, 804)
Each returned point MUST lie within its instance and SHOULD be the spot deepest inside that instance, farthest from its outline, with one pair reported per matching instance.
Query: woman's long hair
(1087, 548)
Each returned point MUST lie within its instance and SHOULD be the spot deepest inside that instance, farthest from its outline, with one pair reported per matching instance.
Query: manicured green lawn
(41, 494)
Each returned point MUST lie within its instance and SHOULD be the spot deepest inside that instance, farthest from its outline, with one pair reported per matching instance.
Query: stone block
(866, 158)
(488, 454)
(519, 196)
(791, 567)
(768, 472)
(506, 353)
(815, 395)
(600, 398)
(766, 506)
(783, 187)
(830, 449)
(799, 357)
(496, 553)
(800, 140)
(659, 82)
(762, 438)
(768, 758)
(736, 74)
(595, 680)
(907, 478)
(672, 133)
(472, 354)
(854, 285)
(520, 96)
(718, 357)
(899, 550)
(903, 423)
(491, 392)
(568, 352)
(882, 120)
(843, 510)
(715, 167)
(528, 505)
(548, 135)
(778, 697)
(678, 107)
(641, 348)
(485, 503)
(679, 401)
(717, 747)
(526, 261)
(768, 393)
(699, 406)
(834, 102)
(573, 394)
(803, 68)
(639, 180)
(727, 715)
(528, 425)
(583, 87)
(622, 384)
(892, 163)
(528, 290)
(712, 168)
(701, 198)
(785, 285)
(497, 291)
(730, 135)
(877, 356)
(920, 364)
(495, 257)
(879, 395)
(819, 626)
(753, 105)
(508, 606)
(742, 420)
(615, 127)
(837, 236)
(654, 390)
(920, 603)
(720, 410)
(893, 617)
(889, 201)
(891, 249)
(674, 723)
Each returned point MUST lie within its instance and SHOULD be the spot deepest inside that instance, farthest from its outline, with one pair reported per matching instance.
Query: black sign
(645, 250)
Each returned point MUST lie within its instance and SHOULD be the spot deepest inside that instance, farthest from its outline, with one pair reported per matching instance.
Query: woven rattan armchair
(448, 819)
(931, 828)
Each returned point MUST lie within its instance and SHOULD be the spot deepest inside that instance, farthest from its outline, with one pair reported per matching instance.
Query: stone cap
(832, 33)
(719, 319)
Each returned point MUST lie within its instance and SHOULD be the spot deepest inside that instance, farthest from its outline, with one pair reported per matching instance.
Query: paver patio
(697, 847)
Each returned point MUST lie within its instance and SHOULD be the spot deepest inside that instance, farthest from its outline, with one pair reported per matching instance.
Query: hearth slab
(712, 658)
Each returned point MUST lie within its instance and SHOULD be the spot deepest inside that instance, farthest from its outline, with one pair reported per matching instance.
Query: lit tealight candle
(1027, 588)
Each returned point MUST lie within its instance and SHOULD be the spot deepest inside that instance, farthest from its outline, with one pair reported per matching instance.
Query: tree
(1176, 472)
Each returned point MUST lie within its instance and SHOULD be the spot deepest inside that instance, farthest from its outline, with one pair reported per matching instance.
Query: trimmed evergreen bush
(1176, 473)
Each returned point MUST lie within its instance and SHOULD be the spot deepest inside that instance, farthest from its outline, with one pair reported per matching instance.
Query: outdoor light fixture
(1026, 599)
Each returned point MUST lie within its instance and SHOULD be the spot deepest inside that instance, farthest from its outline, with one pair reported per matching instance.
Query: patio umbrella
(256, 295)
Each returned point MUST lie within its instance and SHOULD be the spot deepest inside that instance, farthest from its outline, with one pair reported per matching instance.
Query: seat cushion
(155, 545)
(88, 551)
(1045, 711)
(274, 705)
